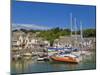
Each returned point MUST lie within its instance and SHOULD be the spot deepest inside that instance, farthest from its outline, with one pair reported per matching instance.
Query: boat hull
(65, 59)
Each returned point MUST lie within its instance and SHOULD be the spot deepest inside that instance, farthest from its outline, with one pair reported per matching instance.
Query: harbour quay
(29, 46)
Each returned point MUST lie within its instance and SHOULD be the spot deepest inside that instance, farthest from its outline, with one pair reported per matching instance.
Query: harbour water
(32, 66)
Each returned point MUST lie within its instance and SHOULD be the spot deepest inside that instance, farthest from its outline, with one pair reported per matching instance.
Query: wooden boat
(69, 58)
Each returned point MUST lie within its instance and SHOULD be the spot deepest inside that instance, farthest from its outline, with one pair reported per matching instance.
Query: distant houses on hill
(27, 40)
(74, 41)
(22, 40)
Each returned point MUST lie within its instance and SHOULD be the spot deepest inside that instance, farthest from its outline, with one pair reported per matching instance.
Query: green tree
(89, 33)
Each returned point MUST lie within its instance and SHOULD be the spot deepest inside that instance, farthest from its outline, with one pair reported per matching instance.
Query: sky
(51, 15)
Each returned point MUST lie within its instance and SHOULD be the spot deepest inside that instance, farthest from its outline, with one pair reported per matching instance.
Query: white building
(29, 40)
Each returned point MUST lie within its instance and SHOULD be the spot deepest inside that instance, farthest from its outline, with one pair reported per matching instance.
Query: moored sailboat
(69, 58)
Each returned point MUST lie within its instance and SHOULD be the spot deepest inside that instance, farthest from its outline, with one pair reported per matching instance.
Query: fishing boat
(69, 58)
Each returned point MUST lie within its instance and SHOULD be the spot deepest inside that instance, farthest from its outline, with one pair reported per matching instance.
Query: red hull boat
(68, 59)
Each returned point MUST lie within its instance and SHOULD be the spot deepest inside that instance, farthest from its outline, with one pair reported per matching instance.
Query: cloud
(30, 26)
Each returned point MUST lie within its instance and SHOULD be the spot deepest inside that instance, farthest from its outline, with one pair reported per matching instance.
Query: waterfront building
(22, 40)
(74, 41)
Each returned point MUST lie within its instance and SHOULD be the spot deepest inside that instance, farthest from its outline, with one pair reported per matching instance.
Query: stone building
(74, 41)
(18, 38)
(21, 40)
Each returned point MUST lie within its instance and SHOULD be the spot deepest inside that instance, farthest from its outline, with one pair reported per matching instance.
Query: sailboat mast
(81, 30)
(75, 28)
(71, 23)
(75, 32)
(71, 19)
(81, 33)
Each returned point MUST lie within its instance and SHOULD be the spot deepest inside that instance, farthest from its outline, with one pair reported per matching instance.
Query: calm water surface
(31, 66)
